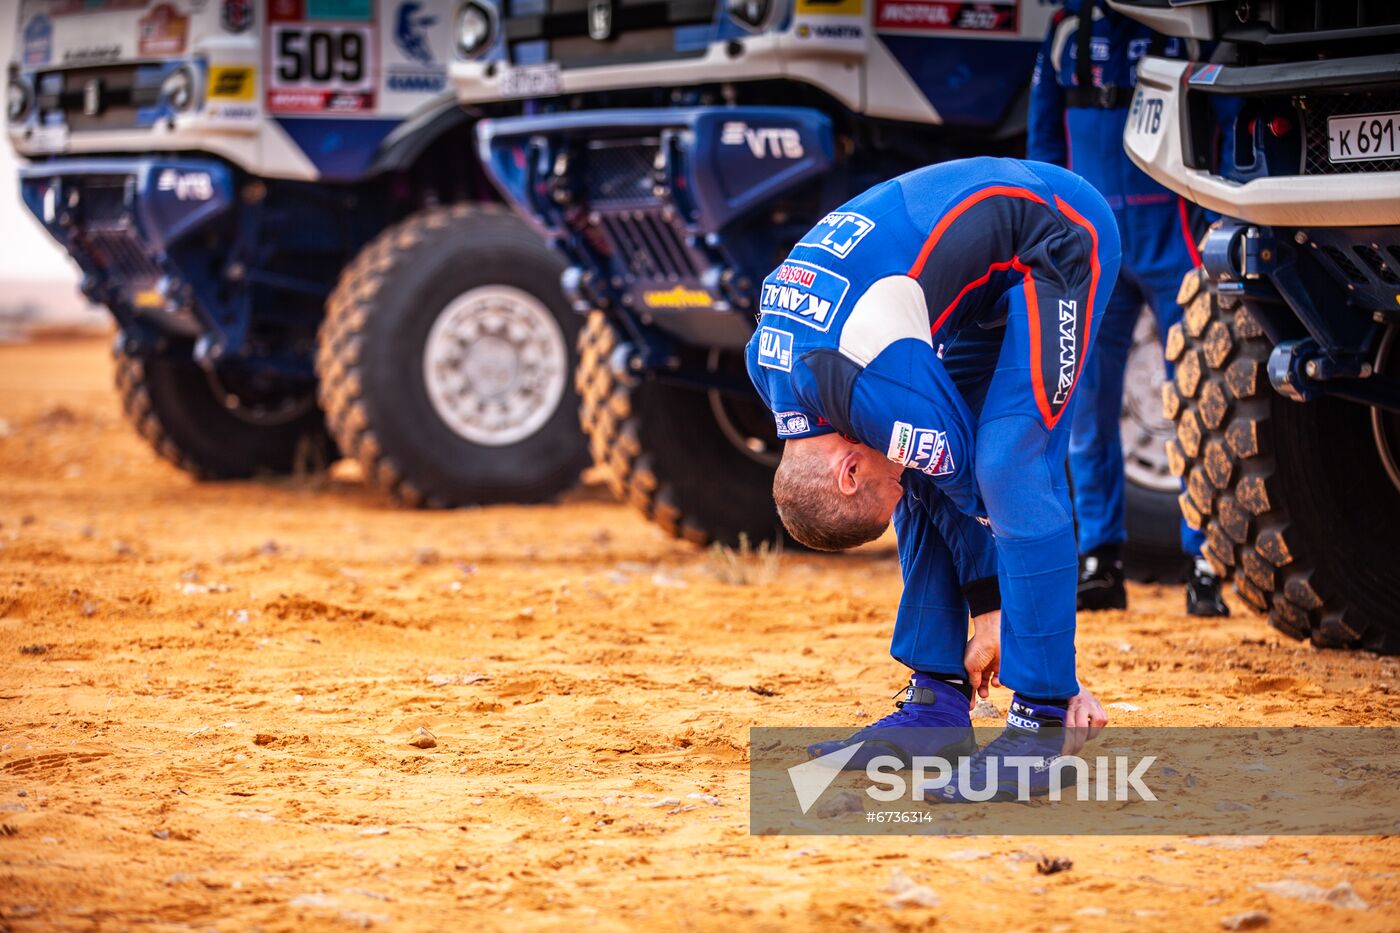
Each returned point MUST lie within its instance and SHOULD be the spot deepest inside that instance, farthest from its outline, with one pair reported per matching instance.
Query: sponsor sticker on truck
(320, 57)
(991, 16)
(163, 31)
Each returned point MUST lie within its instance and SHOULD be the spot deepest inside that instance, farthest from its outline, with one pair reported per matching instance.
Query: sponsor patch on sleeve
(792, 423)
(775, 349)
(922, 449)
(839, 232)
(804, 292)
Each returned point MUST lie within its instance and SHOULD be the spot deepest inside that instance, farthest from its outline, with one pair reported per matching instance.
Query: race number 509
(321, 56)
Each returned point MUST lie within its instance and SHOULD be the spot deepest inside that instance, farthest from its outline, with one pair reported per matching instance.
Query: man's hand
(1084, 719)
(982, 656)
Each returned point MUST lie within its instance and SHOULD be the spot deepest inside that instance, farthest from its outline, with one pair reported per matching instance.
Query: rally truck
(277, 202)
(1286, 398)
(674, 153)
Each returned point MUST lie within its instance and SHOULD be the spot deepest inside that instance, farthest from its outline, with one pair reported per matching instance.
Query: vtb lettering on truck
(763, 141)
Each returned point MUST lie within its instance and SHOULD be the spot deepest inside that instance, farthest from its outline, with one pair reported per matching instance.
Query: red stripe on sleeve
(946, 221)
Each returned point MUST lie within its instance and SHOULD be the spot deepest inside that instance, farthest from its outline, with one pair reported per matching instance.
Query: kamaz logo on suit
(804, 292)
(922, 449)
(1069, 348)
(775, 349)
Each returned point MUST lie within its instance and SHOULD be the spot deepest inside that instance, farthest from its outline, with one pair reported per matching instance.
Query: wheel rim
(495, 365)
(1385, 425)
(745, 423)
(1145, 431)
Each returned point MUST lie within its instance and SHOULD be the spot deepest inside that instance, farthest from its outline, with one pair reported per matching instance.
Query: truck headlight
(749, 12)
(178, 89)
(473, 29)
(18, 101)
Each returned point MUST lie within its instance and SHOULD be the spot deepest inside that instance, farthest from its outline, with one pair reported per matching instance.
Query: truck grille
(119, 252)
(644, 240)
(620, 174)
(1301, 20)
(649, 245)
(637, 31)
(1319, 109)
(119, 92)
(105, 234)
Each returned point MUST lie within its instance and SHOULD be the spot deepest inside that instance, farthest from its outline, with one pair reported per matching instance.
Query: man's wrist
(982, 595)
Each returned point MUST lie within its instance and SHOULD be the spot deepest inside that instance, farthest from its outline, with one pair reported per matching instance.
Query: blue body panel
(341, 149)
(970, 83)
(664, 191)
(168, 198)
(717, 178)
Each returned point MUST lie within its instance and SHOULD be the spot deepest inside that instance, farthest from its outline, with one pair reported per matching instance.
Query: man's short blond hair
(815, 512)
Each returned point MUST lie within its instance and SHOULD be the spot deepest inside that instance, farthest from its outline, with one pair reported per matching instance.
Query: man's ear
(849, 477)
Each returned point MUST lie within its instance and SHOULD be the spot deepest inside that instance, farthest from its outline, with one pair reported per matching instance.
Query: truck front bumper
(1176, 109)
(124, 220)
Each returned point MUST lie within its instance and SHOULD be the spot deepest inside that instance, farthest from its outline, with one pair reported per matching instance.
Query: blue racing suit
(944, 317)
(1080, 126)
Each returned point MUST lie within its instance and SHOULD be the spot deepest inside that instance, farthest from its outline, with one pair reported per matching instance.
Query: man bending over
(919, 349)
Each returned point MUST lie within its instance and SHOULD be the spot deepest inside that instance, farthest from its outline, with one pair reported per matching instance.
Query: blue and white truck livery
(674, 153)
(276, 200)
(1287, 391)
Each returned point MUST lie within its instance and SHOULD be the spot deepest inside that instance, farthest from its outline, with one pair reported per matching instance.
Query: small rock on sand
(985, 709)
(1249, 920)
(1046, 865)
(909, 893)
(422, 738)
(847, 801)
(1342, 895)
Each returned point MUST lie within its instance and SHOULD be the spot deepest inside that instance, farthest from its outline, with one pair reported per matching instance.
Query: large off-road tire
(699, 464)
(207, 430)
(444, 362)
(1152, 553)
(1300, 502)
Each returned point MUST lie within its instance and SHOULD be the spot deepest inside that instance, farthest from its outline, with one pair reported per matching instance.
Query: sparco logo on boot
(804, 292)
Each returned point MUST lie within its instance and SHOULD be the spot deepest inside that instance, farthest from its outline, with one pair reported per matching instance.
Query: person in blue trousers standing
(1081, 93)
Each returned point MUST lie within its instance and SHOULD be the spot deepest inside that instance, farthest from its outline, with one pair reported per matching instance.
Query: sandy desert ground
(207, 695)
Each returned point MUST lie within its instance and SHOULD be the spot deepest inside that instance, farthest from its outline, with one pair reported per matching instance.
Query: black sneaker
(1101, 581)
(1203, 592)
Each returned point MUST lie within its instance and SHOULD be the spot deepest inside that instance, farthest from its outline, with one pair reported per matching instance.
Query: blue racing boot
(1034, 731)
(931, 720)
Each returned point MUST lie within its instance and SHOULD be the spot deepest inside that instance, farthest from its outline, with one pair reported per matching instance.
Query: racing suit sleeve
(904, 403)
(970, 541)
(1045, 135)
